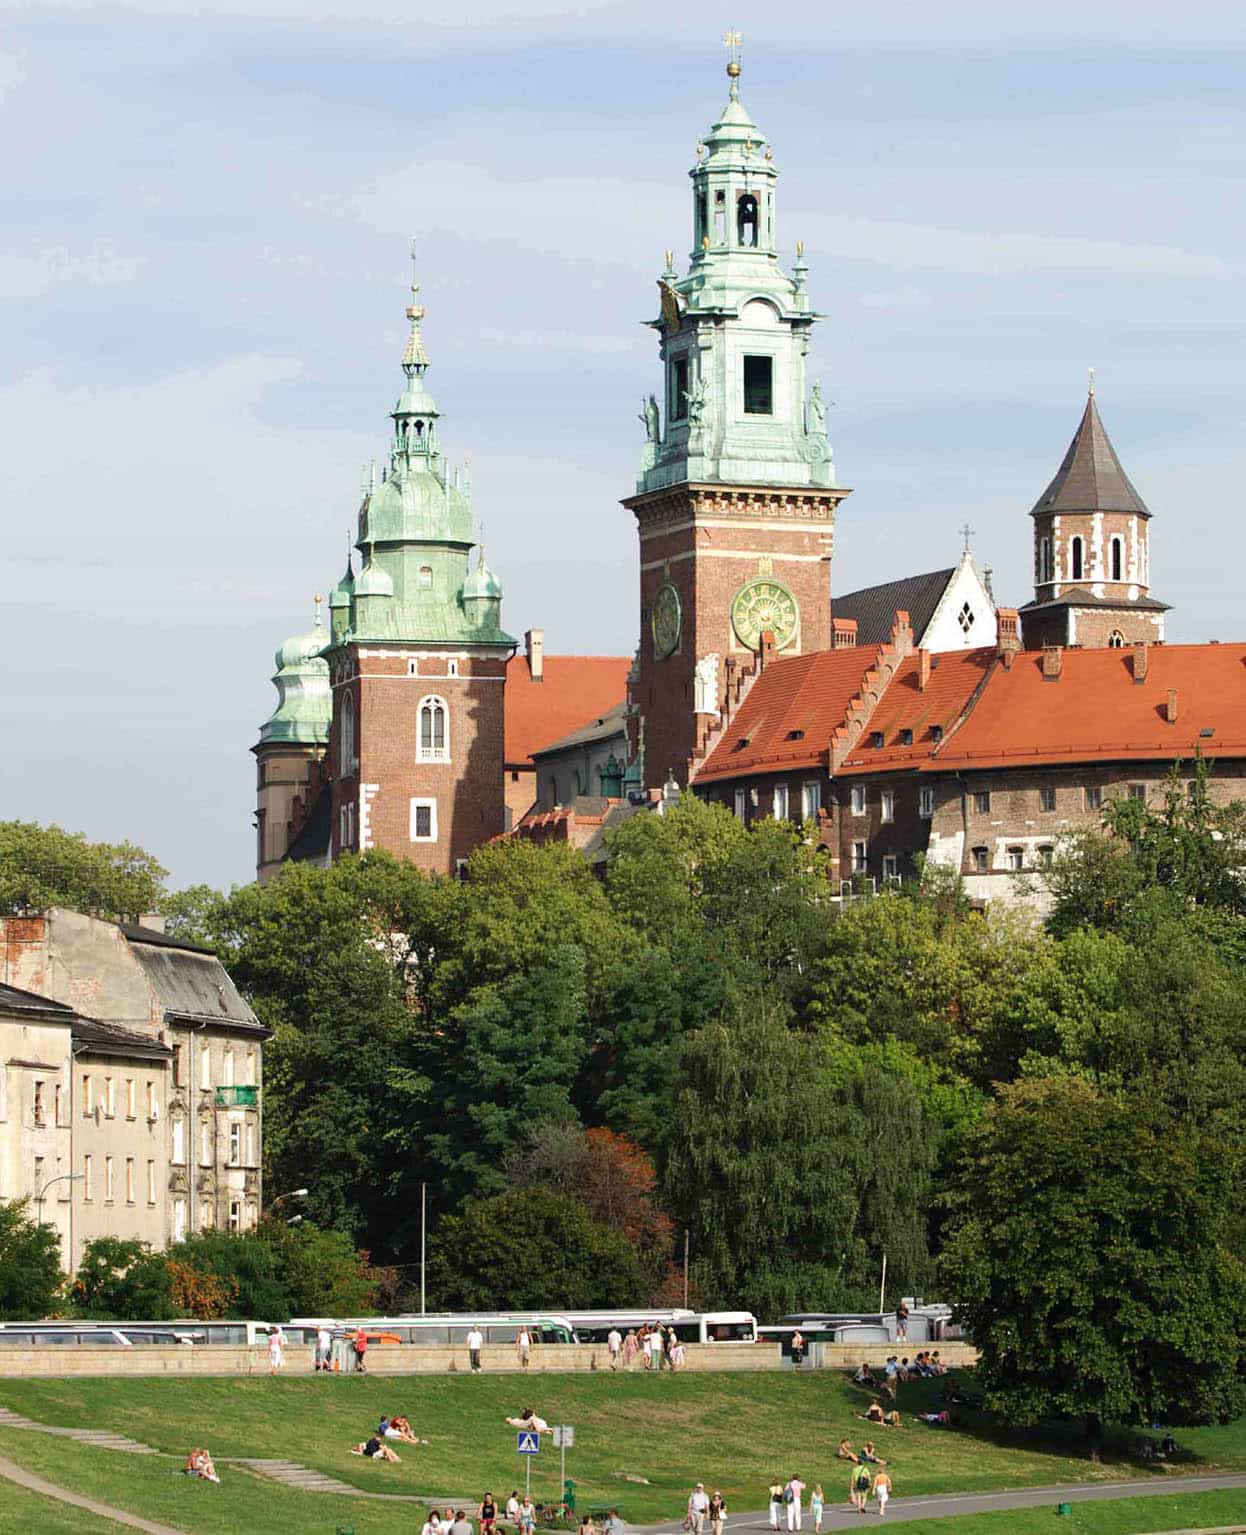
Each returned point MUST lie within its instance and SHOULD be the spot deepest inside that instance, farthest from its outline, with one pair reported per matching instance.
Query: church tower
(735, 500)
(417, 656)
(1092, 562)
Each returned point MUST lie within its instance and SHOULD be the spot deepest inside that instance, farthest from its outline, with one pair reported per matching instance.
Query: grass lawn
(730, 1431)
(26, 1511)
(1120, 1516)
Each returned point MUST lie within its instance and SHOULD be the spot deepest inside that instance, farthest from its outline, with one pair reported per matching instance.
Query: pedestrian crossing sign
(527, 1442)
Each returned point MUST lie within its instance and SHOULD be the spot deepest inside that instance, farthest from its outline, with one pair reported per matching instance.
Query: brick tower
(1092, 562)
(417, 657)
(735, 500)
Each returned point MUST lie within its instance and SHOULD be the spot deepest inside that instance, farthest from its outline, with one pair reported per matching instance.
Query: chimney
(923, 669)
(1170, 711)
(1053, 658)
(843, 633)
(534, 649)
(1009, 631)
(766, 652)
(1141, 662)
(902, 632)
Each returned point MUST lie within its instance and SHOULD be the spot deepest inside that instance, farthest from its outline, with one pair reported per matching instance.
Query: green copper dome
(304, 701)
(416, 504)
(482, 583)
(372, 581)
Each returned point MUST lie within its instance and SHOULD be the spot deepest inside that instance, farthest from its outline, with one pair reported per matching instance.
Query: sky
(205, 216)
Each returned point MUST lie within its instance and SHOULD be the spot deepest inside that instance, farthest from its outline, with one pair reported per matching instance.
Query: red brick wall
(710, 541)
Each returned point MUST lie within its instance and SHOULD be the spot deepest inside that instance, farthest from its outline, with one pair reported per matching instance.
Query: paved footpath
(12, 1472)
(841, 1516)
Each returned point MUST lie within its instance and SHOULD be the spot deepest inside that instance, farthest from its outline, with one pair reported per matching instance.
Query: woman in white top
(276, 1350)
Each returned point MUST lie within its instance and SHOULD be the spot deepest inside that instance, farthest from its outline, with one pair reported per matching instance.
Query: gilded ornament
(763, 605)
(666, 620)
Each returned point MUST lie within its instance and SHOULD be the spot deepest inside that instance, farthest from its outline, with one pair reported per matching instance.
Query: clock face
(762, 605)
(667, 620)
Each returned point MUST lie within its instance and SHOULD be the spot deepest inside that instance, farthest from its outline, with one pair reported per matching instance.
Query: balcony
(237, 1097)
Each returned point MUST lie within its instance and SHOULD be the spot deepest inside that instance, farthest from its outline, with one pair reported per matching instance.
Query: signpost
(527, 1444)
(564, 1440)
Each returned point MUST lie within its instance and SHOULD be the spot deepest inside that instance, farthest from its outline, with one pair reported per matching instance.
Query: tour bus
(927, 1324)
(97, 1334)
(690, 1326)
(439, 1331)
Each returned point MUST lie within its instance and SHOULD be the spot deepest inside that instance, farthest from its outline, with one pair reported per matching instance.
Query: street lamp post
(281, 1199)
(41, 1194)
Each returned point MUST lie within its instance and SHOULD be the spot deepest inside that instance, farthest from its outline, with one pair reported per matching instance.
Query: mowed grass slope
(1120, 1516)
(26, 1511)
(733, 1432)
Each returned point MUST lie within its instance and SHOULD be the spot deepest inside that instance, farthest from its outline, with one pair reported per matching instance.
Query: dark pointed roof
(874, 607)
(1091, 478)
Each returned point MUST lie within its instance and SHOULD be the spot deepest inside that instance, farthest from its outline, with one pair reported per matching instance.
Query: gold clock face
(761, 605)
(667, 620)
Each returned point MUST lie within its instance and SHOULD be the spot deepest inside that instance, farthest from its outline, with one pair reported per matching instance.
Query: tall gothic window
(434, 731)
(1044, 560)
(1116, 640)
(746, 220)
(677, 407)
(1117, 560)
(346, 744)
(1075, 560)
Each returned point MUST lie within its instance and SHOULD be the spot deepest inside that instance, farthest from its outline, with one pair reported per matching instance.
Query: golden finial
(1090, 384)
(415, 311)
(733, 41)
(670, 258)
(800, 250)
(705, 242)
(318, 598)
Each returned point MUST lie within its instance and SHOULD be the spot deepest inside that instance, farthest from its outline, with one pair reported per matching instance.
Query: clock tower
(735, 499)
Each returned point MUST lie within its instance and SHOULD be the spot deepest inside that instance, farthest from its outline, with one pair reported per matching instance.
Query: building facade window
(179, 1065)
(891, 866)
(856, 799)
(179, 1142)
(746, 220)
(110, 1179)
(40, 1112)
(1138, 791)
(235, 1215)
(205, 1144)
(179, 1220)
(677, 404)
(250, 1144)
(982, 801)
(205, 1069)
(88, 1177)
(1045, 856)
(979, 860)
(131, 1098)
(57, 1105)
(1093, 796)
(888, 802)
(1016, 859)
(1075, 559)
(129, 1180)
(153, 1103)
(426, 581)
(346, 735)
(778, 803)
(860, 857)
(965, 619)
(235, 1143)
(434, 731)
(810, 799)
(740, 804)
(1116, 640)
(227, 1065)
(88, 1096)
(423, 820)
(1118, 559)
(110, 1098)
(926, 801)
(1044, 560)
(346, 825)
(1047, 797)
(759, 386)
(151, 1182)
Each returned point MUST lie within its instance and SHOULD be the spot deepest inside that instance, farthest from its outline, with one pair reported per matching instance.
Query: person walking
(614, 1346)
(475, 1342)
(631, 1347)
(798, 1348)
(717, 1513)
(523, 1347)
(512, 1509)
(776, 1502)
(698, 1507)
(646, 1346)
(276, 1350)
(882, 1491)
(527, 1515)
(815, 1508)
(902, 1322)
(859, 1486)
(792, 1494)
(324, 1346)
(487, 1513)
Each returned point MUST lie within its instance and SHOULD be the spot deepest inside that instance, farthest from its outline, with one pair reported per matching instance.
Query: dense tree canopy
(30, 1264)
(43, 866)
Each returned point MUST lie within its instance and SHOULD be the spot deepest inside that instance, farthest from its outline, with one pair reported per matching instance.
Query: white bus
(690, 1326)
(443, 1329)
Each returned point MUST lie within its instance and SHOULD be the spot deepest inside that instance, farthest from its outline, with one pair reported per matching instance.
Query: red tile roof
(1095, 712)
(954, 677)
(809, 694)
(574, 689)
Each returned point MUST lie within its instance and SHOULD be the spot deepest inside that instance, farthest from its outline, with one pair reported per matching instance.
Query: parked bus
(441, 1330)
(97, 1334)
(690, 1326)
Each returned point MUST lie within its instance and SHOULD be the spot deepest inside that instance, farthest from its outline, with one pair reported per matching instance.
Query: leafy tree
(123, 1280)
(529, 1249)
(42, 866)
(30, 1264)
(245, 1264)
(1086, 1260)
(321, 1271)
(194, 915)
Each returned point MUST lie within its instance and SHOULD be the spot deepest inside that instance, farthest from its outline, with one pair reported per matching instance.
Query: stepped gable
(569, 691)
(874, 607)
(1087, 706)
(927, 695)
(786, 718)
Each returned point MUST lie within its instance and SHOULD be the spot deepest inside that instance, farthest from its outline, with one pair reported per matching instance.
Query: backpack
(788, 1495)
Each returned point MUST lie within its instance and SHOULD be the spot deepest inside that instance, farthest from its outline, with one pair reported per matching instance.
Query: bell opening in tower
(746, 220)
(759, 386)
(677, 405)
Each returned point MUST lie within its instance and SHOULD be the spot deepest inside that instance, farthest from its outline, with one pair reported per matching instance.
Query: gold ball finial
(733, 70)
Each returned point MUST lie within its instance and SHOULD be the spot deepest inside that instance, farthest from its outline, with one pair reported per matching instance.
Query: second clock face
(762, 605)
(667, 620)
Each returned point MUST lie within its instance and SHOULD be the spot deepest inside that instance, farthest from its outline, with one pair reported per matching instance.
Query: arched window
(426, 576)
(1075, 560)
(434, 731)
(346, 735)
(746, 220)
(1116, 640)
(1118, 560)
(1044, 559)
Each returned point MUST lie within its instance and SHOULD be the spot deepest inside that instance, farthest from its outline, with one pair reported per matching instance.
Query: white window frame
(860, 857)
(131, 1098)
(433, 702)
(205, 1068)
(431, 806)
(985, 866)
(1016, 859)
(88, 1095)
(250, 1143)
(129, 1180)
(88, 1176)
(205, 1143)
(227, 1075)
(151, 1181)
(856, 799)
(179, 1220)
(235, 1215)
(179, 1142)
(981, 802)
(110, 1179)
(891, 866)
(779, 804)
(235, 1143)
(810, 799)
(925, 801)
(110, 1098)
(153, 1103)
(888, 802)
(740, 804)
(1044, 791)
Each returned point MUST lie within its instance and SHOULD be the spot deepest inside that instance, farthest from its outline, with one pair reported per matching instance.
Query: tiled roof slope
(573, 689)
(1080, 597)
(600, 729)
(1091, 478)
(874, 607)
(1095, 711)
(16, 999)
(953, 679)
(809, 693)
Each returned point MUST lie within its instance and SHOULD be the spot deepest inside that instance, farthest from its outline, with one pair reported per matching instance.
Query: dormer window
(906, 738)
(936, 734)
(746, 220)
(876, 738)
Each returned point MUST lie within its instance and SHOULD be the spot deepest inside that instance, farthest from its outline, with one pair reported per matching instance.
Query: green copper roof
(305, 706)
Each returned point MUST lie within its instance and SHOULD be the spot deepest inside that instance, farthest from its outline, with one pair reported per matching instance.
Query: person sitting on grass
(374, 1449)
(199, 1463)
(868, 1455)
(874, 1412)
(845, 1451)
(939, 1419)
(892, 1419)
(529, 1420)
(400, 1428)
(864, 1375)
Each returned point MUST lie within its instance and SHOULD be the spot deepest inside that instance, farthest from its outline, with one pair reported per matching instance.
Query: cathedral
(416, 723)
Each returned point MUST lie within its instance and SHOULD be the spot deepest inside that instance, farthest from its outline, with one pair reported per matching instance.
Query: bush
(30, 1264)
(123, 1281)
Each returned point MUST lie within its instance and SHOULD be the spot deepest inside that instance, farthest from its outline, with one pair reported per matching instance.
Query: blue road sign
(527, 1442)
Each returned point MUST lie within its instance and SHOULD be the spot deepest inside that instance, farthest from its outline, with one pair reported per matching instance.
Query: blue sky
(204, 221)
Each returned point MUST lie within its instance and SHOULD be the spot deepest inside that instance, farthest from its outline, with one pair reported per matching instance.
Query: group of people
(657, 1345)
(397, 1427)
(923, 1366)
(199, 1463)
(705, 1509)
(868, 1478)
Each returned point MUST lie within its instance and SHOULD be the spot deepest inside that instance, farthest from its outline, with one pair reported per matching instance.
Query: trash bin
(568, 1495)
(1064, 1508)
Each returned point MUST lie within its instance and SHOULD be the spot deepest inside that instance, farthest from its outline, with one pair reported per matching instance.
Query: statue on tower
(651, 419)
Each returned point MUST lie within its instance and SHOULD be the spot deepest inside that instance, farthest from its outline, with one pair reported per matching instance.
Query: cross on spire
(966, 532)
(415, 359)
(733, 41)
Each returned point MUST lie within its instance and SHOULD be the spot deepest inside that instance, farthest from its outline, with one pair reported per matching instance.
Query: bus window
(502, 1334)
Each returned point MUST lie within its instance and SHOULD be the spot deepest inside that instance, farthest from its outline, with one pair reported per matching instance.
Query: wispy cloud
(30, 273)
